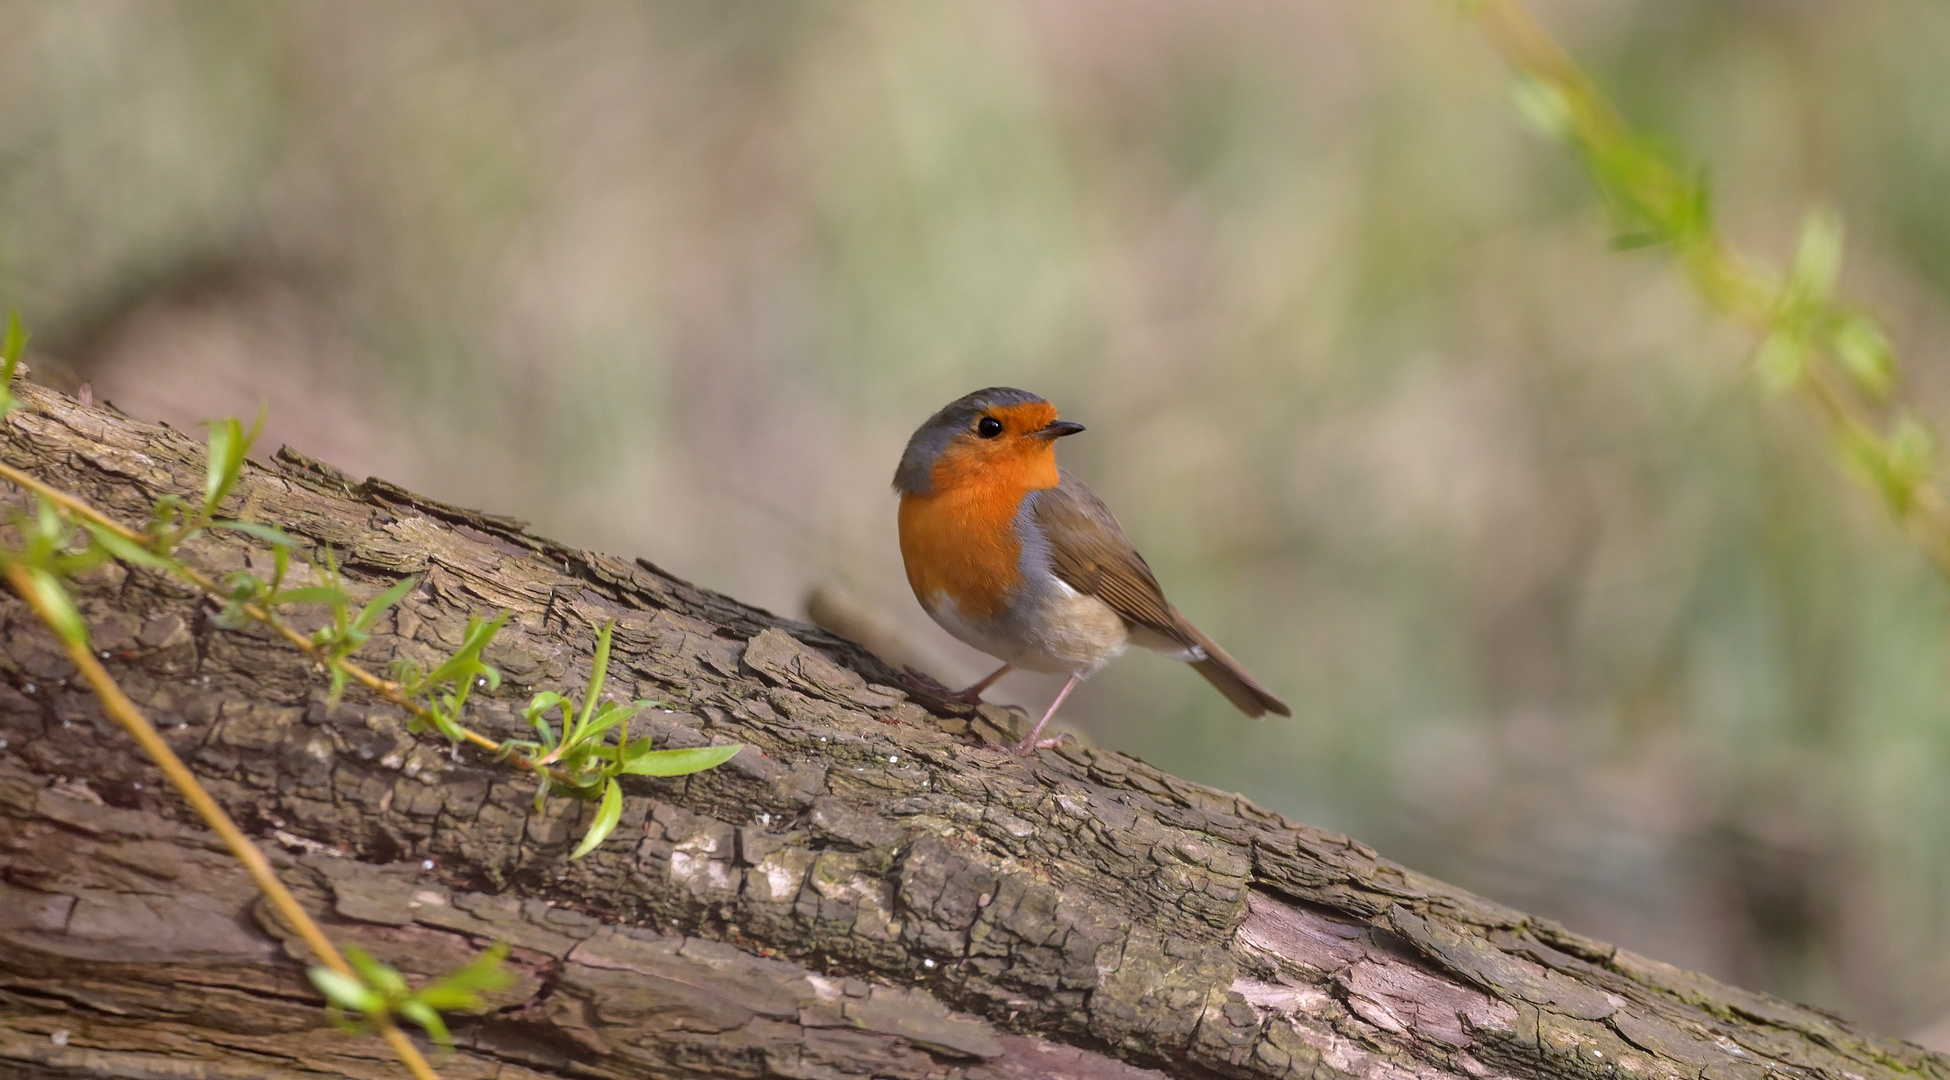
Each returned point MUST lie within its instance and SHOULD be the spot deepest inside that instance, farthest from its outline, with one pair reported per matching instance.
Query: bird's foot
(918, 683)
(1032, 744)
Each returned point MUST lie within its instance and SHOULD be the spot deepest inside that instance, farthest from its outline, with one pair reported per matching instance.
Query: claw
(970, 696)
(1031, 743)
(1030, 746)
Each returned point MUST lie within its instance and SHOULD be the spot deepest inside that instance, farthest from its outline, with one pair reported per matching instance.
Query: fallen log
(874, 887)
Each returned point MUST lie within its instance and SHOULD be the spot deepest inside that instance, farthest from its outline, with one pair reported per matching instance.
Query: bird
(1012, 554)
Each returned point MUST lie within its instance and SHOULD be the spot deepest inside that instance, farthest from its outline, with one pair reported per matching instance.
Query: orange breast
(961, 543)
(959, 540)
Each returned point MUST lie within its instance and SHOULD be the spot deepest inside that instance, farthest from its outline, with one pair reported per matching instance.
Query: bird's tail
(1234, 681)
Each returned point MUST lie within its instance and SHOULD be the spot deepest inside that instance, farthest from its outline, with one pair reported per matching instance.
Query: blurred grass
(1569, 614)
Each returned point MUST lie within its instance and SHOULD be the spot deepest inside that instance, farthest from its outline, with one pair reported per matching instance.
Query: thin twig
(385, 688)
(1731, 282)
(124, 712)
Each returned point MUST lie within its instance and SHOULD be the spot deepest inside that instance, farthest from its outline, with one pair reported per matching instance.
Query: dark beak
(1056, 429)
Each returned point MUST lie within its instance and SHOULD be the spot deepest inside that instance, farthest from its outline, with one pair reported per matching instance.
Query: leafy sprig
(174, 520)
(1810, 343)
(49, 550)
(63, 536)
(13, 344)
(582, 762)
(376, 991)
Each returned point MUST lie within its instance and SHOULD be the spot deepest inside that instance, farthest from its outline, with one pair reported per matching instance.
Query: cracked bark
(872, 888)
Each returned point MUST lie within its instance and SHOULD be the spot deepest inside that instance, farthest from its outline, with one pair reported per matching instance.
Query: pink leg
(1030, 745)
(973, 695)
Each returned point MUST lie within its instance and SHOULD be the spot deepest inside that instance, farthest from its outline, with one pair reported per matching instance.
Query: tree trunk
(872, 888)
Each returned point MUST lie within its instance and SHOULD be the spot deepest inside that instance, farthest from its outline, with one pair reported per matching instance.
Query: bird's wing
(1089, 553)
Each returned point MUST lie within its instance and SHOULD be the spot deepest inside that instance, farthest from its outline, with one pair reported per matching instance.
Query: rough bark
(872, 888)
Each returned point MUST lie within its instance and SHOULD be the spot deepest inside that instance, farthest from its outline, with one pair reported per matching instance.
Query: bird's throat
(959, 541)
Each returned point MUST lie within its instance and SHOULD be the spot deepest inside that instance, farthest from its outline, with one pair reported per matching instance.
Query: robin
(1015, 556)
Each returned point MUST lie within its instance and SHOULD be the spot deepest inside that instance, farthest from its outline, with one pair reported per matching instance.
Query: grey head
(956, 419)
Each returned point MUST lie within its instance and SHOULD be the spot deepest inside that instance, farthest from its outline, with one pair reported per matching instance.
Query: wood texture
(870, 890)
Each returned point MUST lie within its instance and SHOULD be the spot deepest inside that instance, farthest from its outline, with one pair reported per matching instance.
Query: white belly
(1060, 631)
(985, 634)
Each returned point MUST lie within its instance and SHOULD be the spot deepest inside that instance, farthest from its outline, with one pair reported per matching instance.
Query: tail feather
(1234, 681)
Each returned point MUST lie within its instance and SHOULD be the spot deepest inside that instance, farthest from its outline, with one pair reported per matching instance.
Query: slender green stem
(385, 688)
(1744, 289)
(124, 712)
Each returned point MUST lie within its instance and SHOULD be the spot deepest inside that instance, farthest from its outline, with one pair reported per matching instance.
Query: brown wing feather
(1089, 552)
(1234, 681)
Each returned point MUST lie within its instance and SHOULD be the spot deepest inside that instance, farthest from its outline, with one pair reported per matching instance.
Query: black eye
(989, 428)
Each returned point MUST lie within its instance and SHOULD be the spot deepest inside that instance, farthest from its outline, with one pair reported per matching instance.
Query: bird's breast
(967, 564)
(960, 545)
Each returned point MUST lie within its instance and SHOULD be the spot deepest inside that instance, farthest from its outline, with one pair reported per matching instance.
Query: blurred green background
(1570, 613)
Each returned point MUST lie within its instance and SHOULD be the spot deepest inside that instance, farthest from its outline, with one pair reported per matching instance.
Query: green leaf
(461, 669)
(536, 712)
(446, 724)
(229, 445)
(581, 771)
(276, 537)
(327, 565)
(465, 663)
(484, 972)
(422, 1014)
(679, 762)
(125, 549)
(1817, 257)
(45, 533)
(598, 671)
(1781, 361)
(167, 507)
(608, 716)
(606, 817)
(586, 772)
(345, 992)
(11, 348)
(407, 673)
(56, 607)
(1692, 219)
(168, 522)
(242, 585)
(516, 748)
(72, 563)
(225, 434)
(239, 450)
(13, 345)
(1911, 450)
(311, 594)
(372, 611)
(1864, 353)
(390, 983)
(1896, 463)
(1541, 105)
(443, 1000)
